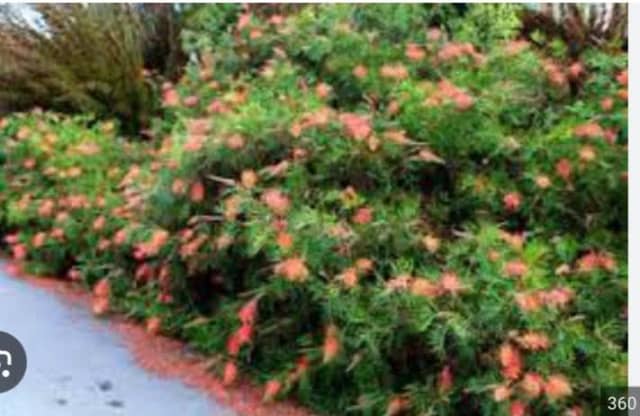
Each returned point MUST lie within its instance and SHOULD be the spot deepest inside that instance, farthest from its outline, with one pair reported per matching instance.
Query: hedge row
(372, 220)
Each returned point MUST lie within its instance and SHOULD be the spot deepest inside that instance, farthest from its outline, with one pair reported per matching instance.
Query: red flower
(557, 387)
(445, 379)
(292, 269)
(532, 385)
(153, 325)
(516, 268)
(331, 346)
(244, 334)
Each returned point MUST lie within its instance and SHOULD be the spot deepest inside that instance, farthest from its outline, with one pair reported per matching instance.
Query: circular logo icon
(13, 362)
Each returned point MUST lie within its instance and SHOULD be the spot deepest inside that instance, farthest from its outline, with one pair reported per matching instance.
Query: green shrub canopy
(357, 208)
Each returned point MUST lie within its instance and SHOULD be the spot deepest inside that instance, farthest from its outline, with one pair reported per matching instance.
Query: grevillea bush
(356, 209)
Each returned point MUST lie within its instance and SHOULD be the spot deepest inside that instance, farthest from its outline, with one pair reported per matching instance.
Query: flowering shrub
(374, 224)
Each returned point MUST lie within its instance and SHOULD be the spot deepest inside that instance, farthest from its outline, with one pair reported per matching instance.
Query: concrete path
(77, 367)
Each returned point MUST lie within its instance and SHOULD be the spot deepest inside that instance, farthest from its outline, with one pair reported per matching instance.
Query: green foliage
(488, 24)
(376, 217)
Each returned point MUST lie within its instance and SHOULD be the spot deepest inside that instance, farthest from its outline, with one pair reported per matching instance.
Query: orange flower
(153, 325)
(501, 393)
(100, 306)
(233, 344)
(588, 262)
(623, 78)
(360, 71)
(576, 69)
(271, 390)
(39, 239)
(417, 286)
(515, 240)
(543, 181)
(249, 311)
(196, 192)
(394, 71)
(244, 334)
(230, 373)
(511, 361)
(532, 385)
(591, 130)
(235, 142)
(191, 101)
(587, 153)
(606, 104)
(516, 268)
(414, 52)
(517, 408)
(323, 90)
(29, 163)
(276, 200)
(248, 178)
(170, 98)
(232, 207)
(397, 406)
(46, 208)
(528, 302)
(623, 94)
(178, 187)
(102, 288)
(292, 269)
(331, 347)
(99, 223)
(558, 297)
(284, 240)
(356, 126)
(557, 387)
(434, 34)
(120, 237)
(514, 47)
(563, 169)
(217, 106)
(57, 233)
(364, 265)
(449, 282)
(243, 21)
(512, 201)
(349, 277)
(363, 216)
(194, 143)
(534, 341)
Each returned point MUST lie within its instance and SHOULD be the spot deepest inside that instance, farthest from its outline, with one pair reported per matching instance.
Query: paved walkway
(77, 367)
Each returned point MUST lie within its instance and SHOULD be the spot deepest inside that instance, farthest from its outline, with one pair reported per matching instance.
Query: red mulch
(166, 357)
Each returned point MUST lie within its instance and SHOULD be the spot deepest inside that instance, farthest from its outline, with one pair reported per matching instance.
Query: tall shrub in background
(77, 58)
